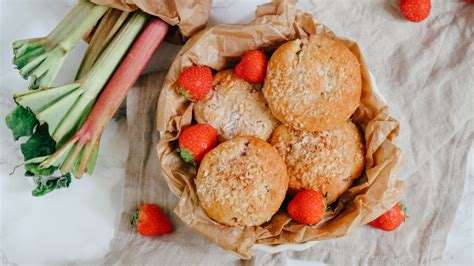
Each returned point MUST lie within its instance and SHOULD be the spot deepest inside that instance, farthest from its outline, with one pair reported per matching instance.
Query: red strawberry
(150, 220)
(415, 10)
(195, 141)
(307, 207)
(252, 67)
(195, 82)
(391, 219)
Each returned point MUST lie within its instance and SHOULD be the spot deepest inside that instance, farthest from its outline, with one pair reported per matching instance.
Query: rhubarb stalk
(81, 147)
(64, 107)
(108, 27)
(41, 58)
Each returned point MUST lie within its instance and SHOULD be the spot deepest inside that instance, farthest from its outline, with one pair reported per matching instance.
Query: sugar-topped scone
(235, 108)
(313, 84)
(242, 182)
(327, 161)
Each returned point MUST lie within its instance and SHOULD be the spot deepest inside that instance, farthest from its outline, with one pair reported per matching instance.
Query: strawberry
(415, 10)
(391, 219)
(150, 220)
(307, 207)
(252, 67)
(195, 82)
(195, 141)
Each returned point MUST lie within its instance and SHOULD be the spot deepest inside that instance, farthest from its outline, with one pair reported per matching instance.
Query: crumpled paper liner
(220, 47)
(190, 16)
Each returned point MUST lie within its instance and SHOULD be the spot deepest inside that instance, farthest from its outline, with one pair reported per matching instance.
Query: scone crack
(235, 108)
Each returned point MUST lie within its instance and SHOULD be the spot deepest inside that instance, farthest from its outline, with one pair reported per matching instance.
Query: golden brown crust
(235, 108)
(322, 160)
(313, 84)
(242, 182)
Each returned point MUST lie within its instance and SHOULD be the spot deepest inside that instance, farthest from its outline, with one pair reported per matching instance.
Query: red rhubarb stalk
(87, 138)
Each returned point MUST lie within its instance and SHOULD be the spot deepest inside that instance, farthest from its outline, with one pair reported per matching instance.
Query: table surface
(78, 223)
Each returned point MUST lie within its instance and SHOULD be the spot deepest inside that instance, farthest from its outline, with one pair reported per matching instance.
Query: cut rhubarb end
(41, 58)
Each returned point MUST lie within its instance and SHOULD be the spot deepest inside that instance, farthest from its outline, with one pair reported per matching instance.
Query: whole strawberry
(195, 141)
(307, 207)
(150, 220)
(415, 10)
(252, 67)
(391, 219)
(195, 82)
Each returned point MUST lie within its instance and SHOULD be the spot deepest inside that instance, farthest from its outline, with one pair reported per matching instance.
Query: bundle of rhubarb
(60, 126)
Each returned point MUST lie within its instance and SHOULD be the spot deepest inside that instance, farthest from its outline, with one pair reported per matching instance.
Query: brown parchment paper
(220, 47)
(189, 16)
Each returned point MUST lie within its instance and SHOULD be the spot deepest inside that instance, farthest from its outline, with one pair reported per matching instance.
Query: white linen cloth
(428, 64)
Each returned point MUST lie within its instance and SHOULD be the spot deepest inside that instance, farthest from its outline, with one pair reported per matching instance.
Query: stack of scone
(290, 134)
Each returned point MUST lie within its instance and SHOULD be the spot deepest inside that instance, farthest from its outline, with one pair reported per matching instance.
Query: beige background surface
(429, 65)
(419, 78)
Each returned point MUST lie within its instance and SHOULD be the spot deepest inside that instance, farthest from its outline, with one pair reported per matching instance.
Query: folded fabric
(425, 73)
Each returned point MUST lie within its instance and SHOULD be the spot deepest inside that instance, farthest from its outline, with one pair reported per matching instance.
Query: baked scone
(242, 182)
(313, 84)
(235, 108)
(327, 161)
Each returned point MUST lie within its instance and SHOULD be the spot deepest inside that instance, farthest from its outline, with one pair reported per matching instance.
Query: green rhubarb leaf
(39, 144)
(35, 169)
(43, 186)
(21, 121)
(186, 155)
(28, 174)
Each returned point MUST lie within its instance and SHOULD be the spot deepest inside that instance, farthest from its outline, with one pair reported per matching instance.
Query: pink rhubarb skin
(88, 136)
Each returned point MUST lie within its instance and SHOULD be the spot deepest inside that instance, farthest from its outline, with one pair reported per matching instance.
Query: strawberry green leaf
(21, 121)
(325, 196)
(186, 155)
(185, 93)
(404, 210)
(45, 186)
(135, 218)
